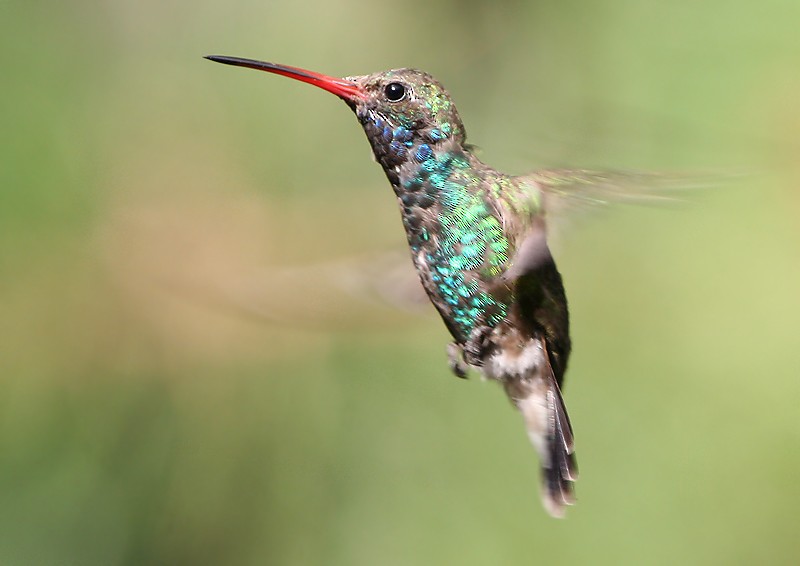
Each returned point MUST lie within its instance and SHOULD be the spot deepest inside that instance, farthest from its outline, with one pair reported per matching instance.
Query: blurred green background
(177, 386)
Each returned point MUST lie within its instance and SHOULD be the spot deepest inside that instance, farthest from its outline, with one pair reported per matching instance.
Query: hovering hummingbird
(477, 239)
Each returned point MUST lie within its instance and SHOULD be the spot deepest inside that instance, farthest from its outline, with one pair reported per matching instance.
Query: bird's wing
(566, 196)
(358, 292)
(570, 189)
(553, 198)
(530, 254)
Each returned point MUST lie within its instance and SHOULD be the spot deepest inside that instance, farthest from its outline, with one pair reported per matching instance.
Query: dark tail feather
(539, 400)
(559, 469)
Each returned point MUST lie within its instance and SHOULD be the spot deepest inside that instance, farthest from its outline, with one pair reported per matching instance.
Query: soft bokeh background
(178, 386)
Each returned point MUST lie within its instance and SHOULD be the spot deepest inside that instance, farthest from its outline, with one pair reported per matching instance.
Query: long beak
(340, 87)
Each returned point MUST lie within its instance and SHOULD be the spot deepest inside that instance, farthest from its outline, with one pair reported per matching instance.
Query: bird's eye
(395, 92)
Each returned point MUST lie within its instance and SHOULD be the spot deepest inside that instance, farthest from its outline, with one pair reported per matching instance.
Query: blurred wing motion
(360, 291)
(569, 194)
(564, 194)
(385, 279)
(570, 190)
(368, 291)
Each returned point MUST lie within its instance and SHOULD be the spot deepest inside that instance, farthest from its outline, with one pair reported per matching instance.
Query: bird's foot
(455, 357)
(478, 345)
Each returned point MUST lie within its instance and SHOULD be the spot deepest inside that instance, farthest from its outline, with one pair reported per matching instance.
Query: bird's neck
(401, 149)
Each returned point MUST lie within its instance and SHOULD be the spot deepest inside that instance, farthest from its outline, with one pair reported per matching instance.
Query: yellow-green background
(151, 203)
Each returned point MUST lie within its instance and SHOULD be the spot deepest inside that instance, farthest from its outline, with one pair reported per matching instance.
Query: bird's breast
(456, 235)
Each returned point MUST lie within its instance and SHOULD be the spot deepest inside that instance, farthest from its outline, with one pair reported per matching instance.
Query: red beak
(340, 87)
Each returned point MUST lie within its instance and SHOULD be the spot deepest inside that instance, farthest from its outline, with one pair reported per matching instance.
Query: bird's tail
(546, 420)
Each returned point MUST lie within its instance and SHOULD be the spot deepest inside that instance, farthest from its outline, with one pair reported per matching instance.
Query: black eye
(394, 92)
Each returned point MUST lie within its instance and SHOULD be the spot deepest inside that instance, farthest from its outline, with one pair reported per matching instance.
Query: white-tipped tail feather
(536, 394)
(549, 430)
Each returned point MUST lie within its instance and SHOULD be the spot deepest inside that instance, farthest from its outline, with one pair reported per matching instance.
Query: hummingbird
(478, 240)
